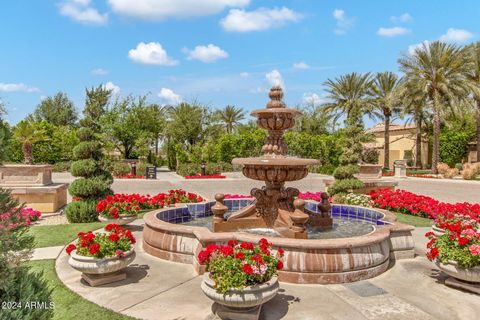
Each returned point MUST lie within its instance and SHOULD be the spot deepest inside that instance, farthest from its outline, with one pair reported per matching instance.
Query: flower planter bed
(101, 257)
(130, 176)
(212, 176)
(241, 277)
(124, 208)
(24, 217)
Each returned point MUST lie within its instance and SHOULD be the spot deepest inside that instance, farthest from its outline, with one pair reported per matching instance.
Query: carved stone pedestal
(95, 280)
(224, 312)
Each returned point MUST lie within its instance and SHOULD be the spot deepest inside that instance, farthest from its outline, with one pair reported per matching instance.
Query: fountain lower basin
(320, 261)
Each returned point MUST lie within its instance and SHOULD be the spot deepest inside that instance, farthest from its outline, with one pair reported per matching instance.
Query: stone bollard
(299, 218)
(400, 167)
(219, 208)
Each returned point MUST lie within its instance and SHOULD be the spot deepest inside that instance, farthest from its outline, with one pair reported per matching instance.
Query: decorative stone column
(219, 209)
(299, 219)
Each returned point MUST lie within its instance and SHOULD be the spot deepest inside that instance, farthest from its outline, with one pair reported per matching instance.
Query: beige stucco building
(402, 143)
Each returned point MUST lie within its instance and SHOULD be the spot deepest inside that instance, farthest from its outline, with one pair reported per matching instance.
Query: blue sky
(216, 51)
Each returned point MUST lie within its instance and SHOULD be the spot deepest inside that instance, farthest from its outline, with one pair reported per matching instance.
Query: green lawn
(413, 220)
(69, 305)
(61, 234)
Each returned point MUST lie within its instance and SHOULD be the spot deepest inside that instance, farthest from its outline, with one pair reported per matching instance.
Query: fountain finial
(276, 96)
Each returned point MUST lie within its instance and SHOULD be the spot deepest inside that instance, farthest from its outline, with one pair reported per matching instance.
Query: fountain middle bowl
(275, 169)
(319, 261)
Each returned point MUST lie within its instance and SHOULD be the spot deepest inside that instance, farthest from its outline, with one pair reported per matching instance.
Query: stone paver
(159, 289)
(46, 253)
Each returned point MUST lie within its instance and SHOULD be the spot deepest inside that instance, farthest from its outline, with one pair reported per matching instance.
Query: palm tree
(28, 133)
(348, 94)
(231, 116)
(414, 103)
(474, 78)
(386, 102)
(439, 69)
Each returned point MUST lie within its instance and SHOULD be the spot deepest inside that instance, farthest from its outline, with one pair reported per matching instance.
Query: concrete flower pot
(120, 221)
(101, 271)
(437, 231)
(453, 270)
(246, 301)
(91, 265)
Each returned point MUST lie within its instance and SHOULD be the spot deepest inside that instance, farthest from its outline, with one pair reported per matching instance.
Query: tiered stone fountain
(361, 244)
(274, 207)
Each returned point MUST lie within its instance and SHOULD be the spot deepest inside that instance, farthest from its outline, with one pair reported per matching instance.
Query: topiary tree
(94, 181)
(345, 181)
(17, 284)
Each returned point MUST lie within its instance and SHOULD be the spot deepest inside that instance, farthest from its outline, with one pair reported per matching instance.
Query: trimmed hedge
(82, 211)
(84, 168)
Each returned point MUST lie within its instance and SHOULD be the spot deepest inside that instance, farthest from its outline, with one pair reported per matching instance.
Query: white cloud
(274, 78)
(239, 20)
(151, 53)
(343, 22)
(413, 47)
(301, 66)
(244, 74)
(19, 87)
(206, 54)
(403, 18)
(164, 9)
(81, 11)
(111, 86)
(311, 99)
(169, 96)
(392, 32)
(456, 35)
(99, 72)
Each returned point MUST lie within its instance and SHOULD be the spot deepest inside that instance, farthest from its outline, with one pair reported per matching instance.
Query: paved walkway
(159, 289)
(441, 189)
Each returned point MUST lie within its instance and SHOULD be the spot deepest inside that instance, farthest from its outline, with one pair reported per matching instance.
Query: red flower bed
(414, 204)
(130, 176)
(212, 176)
(130, 204)
(23, 217)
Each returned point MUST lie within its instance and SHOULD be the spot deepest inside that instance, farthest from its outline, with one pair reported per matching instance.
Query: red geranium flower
(247, 245)
(247, 269)
(463, 241)
(227, 251)
(70, 248)
(279, 265)
(114, 237)
(240, 256)
(94, 248)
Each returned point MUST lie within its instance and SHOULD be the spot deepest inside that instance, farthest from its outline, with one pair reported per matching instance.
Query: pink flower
(474, 249)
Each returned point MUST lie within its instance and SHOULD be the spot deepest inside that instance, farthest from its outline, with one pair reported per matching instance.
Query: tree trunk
(27, 153)
(386, 145)
(418, 141)
(156, 145)
(478, 130)
(436, 134)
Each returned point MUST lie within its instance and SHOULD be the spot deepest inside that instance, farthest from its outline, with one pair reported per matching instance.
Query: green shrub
(345, 186)
(345, 172)
(84, 168)
(188, 169)
(327, 169)
(82, 211)
(454, 146)
(87, 149)
(85, 134)
(142, 168)
(121, 168)
(85, 188)
(27, 288)
(459, 166)
(219, 167)
(62, 166)
(16, 284)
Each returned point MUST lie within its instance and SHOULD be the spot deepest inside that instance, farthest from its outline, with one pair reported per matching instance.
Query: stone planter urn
(243, 303)
(437, 231)
(461, 278)
(101, 271)
(120, 221)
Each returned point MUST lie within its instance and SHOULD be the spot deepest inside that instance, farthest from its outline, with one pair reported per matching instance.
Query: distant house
(402, 144)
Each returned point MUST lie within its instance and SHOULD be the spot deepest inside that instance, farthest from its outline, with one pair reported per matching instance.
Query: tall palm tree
(414, 102)
(28, 133)
(386, 102)
(231, 116)
(439, 69)
(474, 78)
